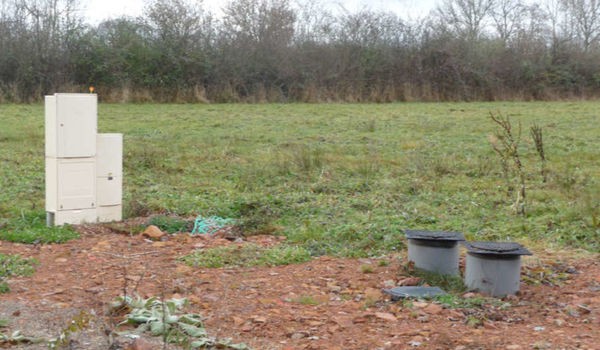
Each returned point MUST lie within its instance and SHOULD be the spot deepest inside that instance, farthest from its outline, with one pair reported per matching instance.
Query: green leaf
(171, 319)
(201, 343)
(157, 328)
(192, 330)
(193, 319)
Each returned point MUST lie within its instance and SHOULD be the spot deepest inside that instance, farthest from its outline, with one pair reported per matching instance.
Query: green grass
(31, 228)
(247, 255)
(14, 265)
(171, 224)
(340, 179)
(448, 283)
(453, 301)
(306, 300)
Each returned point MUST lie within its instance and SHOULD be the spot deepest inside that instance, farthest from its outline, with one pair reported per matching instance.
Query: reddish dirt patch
(327, 303)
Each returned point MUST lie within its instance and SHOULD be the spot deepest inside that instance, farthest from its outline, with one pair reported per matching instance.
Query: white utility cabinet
(109, 176)
(84, 169)
(71, 125)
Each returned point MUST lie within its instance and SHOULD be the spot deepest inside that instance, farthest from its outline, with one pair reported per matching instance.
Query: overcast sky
(97, 10)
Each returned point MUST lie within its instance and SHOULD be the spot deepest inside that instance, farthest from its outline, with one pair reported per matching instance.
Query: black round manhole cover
(434, 235)
(440, 235)
(499, 247)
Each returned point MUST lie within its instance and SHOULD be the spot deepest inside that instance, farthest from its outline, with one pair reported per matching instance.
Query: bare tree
(313, 21)
(561, 28)
(256, 38)
(507, 16)
(586, 16)
(180, 31)
(466, 17)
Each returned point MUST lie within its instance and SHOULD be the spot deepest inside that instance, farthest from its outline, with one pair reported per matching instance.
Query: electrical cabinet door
(109, 156)
(71, 125)
(76, 184)
(110, 190)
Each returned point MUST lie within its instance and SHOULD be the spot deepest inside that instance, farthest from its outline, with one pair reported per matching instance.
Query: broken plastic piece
(413, 292)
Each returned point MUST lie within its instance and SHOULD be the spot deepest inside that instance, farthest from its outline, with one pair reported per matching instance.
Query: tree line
(280, 51)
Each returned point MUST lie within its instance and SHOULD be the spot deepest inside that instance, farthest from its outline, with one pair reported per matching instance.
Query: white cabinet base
(110, 213)
(75, 217)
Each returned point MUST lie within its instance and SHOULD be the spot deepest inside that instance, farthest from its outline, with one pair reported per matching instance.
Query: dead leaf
(343, 321)
(386, 316)
(410, 281)
(259, 319)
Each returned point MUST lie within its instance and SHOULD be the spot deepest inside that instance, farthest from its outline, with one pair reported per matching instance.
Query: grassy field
(341, 179)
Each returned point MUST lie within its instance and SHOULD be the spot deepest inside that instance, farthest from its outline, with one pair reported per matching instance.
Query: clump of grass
(457, 302)
(30, 228)
(307, 158)
(306, 300)
(449, 283)
(247, 255)
(171, 224)
(256, 217)
(383, 263)
(365, 268)
(14, 265)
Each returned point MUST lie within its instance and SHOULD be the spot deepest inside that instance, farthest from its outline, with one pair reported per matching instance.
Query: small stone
(141, 344)
(298, 335)
(95, 290)
(386, 316)
(489, 325)
(539, 328)
(420, 304)
(513, 347)
(343, 321)
(153, 232)
(423, 319)
(416, 341)
(559, 322)
(61, 260)
(238, 321)
(542, 345)
(334, 288)
(433, 309)
(584, 309)
(210, 297)
(259, 319)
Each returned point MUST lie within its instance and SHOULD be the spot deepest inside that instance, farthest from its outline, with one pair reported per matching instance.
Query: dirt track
(327, 303)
